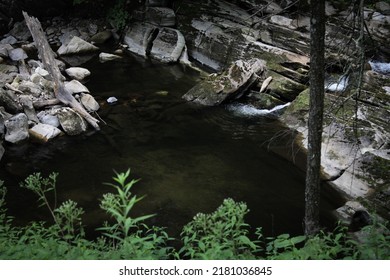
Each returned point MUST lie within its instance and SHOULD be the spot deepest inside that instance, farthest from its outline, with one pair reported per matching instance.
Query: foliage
(219, 235)
(117, 15)
(222, 234)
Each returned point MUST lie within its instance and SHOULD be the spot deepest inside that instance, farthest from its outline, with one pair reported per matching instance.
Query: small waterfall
(249, 110)
(338, 86)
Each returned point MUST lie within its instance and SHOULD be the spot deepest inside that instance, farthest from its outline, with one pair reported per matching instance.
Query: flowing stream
(189, 158)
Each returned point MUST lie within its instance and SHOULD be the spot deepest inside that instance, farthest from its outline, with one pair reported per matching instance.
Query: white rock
(75, 86)
(42, 72)
(282, 21)
(47, 118)
(103, 57)
(89, 102)
(112, 100)
(44, 132)
(78, 73)
(17, 54)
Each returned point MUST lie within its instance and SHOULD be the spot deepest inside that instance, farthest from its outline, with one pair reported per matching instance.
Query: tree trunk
(50, 64)
(317, 48)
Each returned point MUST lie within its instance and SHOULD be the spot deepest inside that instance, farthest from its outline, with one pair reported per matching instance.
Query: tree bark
(317, 76)
(50, 64)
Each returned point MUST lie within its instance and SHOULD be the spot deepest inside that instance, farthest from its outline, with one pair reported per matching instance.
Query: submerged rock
(16, 129)
(229, 85)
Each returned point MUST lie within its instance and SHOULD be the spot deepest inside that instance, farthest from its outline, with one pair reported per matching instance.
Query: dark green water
(189, 158)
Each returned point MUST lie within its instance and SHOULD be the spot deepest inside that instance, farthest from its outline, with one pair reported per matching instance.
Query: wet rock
(139, 37)
(231, 84)
(75, 86)
(76, 46)
(101, 37)
(48, 118)
(161, 16)
(17, 54)
(104, 57)
(168, 45)
(78, 73)
(16, 129)
(44, 132)
(71, 122)
(89, 102)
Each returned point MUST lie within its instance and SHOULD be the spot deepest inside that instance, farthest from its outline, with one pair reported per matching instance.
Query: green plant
(118, 15)
(219, 235)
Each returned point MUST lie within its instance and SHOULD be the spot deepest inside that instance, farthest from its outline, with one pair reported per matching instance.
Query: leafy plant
(118, 15)
(219, 235)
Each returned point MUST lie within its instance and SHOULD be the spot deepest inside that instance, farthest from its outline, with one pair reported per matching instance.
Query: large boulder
(139, 37)
(76, 46)
(231, 84)
(16, 129)
(168, 45)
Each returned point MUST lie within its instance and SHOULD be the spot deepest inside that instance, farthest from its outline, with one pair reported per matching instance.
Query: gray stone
(16, 129)
(161, 16)
(282, 21)
(104, 57)
(76, 46)
(9, 40)
(92, 28)
(89, 102)
(78, 73)
(20, 31)
(138, 38)
(71, 122)
(7, 73)
(383, 7)
(101, 37)
(42, 72)
(31, 88)
(27, 104)
(3, 117)
(44, 132)
(17, 54)
(67, 36)
(4, 49)
(229, 85)
(75, 86)
(48, 118)
(168, 45)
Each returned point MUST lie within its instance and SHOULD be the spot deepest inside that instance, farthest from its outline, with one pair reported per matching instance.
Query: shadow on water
(189, 158)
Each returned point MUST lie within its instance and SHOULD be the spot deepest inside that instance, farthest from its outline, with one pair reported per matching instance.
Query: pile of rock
(28, 106)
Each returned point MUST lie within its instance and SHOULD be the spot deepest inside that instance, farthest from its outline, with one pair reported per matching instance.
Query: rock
(9, 40)
(282, 21)
(77, 60)
(383, 7)
(3, 117)
(75, 86)
(42, 72)
(76, 46)
(44, 132)
(67, 36)
(4, 49)
(161, 16)
(89, 102)
(231, 84)
(48, 118)
(101, 37)
(139, 37)
(168, 45)
(31, 88)
(284, 87)
(104, 57)
(71, 122)
(112, 100)
(17, 54)
(78, 73)
(8, 99)
(92, 28)
(20, 31)
(2, 151)
(16, 129)
(158, 3)
(7, 73)
(27, 104)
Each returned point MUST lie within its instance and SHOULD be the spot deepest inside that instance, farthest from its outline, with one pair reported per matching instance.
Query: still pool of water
(189, 158)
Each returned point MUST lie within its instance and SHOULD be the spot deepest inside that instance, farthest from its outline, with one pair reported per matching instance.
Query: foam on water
(249, 110)
(338, 86)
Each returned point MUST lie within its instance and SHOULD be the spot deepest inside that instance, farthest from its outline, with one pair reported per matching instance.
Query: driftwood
(43, 103)
(48, 60)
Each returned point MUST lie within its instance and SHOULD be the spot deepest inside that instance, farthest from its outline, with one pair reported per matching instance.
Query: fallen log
(47, 56)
